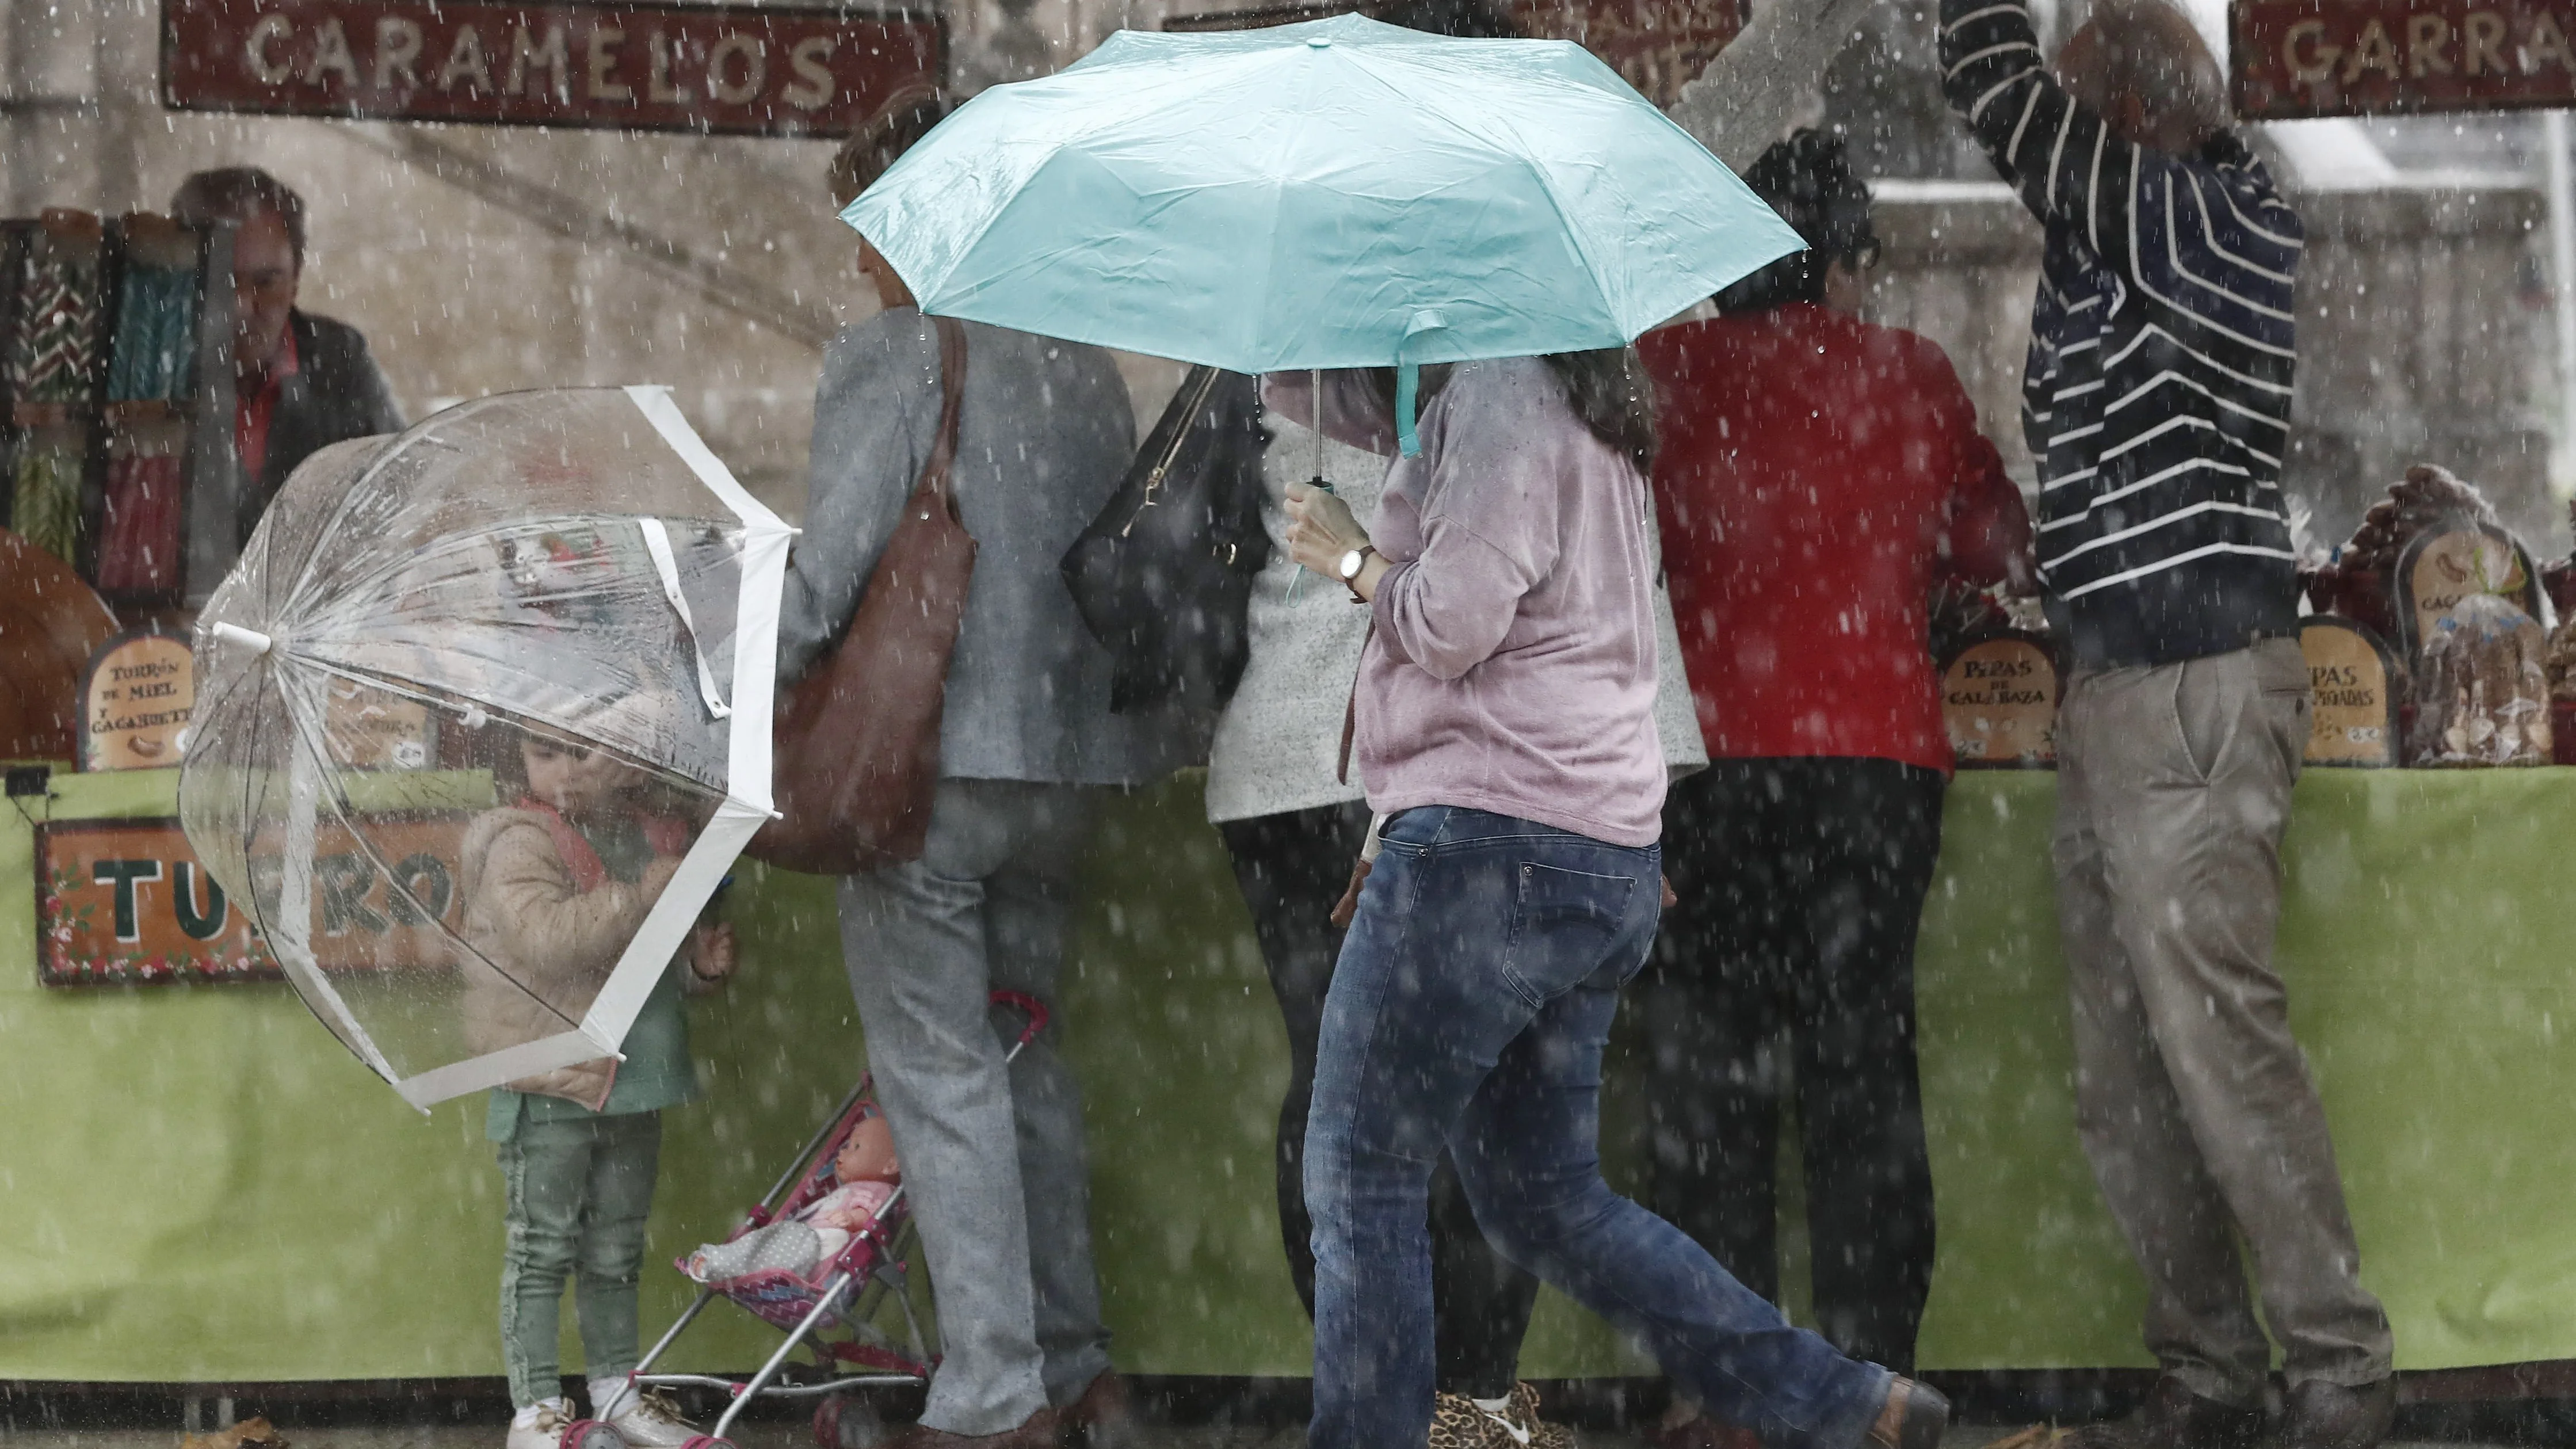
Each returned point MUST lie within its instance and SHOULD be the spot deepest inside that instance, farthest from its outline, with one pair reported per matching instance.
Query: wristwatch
(1352, 562)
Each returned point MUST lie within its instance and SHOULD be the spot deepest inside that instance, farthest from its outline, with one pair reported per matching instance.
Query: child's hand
(711, 953)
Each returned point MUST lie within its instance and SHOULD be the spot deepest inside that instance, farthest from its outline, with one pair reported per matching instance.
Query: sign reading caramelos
(765, 70)
(2370, 57)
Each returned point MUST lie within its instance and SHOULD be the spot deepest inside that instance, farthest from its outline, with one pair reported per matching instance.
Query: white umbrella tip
(251, 639)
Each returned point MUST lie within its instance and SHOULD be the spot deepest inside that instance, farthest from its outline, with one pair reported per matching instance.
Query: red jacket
(1819, 475)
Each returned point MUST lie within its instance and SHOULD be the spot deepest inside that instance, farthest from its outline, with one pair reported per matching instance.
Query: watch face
(1351, 564)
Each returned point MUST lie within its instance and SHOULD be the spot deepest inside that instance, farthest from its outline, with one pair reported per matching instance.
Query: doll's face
(868, 1155)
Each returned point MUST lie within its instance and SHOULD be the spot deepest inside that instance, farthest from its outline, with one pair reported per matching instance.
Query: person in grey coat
(992, 1154)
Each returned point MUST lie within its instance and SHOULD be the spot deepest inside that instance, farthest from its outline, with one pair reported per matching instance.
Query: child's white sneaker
(645, 1418)
(540, 1425)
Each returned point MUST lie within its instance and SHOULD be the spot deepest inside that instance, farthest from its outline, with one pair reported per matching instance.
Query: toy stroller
(843, 1292)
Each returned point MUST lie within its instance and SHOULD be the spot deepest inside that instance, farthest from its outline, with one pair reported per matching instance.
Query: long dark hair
(1608, 388)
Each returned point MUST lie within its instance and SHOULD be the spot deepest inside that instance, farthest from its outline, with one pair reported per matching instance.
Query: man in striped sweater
(2157, 399)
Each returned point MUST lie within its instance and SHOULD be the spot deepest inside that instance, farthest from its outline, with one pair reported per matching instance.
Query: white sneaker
(647, 1419)
(540, 1425)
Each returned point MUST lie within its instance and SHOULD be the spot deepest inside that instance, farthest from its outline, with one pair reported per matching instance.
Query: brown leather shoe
(2321, 1415)
(2173, 1417)
(1038, 1433)
(1101, 1418)
(1914, 1417)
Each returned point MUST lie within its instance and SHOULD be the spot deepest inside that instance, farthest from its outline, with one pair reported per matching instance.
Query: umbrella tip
(251, 639)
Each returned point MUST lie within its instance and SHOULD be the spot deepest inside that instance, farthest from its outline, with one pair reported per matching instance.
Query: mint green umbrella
(1337, 193)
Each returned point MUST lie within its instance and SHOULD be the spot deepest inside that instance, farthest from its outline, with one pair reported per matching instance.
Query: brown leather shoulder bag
(856, 754)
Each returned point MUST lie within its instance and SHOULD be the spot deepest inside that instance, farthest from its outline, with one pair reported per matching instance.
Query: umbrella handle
(1315, 390)
(1408, 380)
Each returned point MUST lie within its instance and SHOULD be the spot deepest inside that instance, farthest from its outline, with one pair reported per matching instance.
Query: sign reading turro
(759, 70)
(2297, 58)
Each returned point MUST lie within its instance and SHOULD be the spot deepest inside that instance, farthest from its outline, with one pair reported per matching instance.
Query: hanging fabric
(50, 358)
(155, 341)
(44, 501)
(138, 547)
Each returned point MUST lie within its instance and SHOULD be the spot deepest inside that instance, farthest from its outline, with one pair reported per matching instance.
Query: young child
(555, 885)
(866, 1174)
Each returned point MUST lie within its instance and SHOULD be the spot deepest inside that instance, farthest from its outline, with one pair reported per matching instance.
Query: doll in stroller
(819, 1257)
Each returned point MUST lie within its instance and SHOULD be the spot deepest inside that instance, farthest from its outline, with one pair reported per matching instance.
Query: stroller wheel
(590, 1434)
(845, 1421)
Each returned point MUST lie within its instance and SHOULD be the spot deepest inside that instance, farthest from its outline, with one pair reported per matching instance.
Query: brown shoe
(1101, 1418)
(1038, 1433)
(1914, 1417)
(2321, 1415)
(2173, 1417)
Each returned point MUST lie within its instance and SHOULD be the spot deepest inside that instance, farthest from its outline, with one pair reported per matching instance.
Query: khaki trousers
(2194, 1103)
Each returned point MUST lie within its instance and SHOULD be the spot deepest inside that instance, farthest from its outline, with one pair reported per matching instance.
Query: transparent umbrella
(483, 716)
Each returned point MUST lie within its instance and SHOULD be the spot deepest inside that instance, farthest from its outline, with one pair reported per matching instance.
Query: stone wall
(2419, 339)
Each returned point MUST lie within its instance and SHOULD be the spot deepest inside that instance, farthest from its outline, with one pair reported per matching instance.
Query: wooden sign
(1999, 697)
(125, 901)
(1658, 46)
(2445, 565)
(2295, 58)
(135, 702)
(778, 70)
(2355, 681)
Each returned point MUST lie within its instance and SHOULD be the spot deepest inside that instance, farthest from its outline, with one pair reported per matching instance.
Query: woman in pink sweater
(1502, 726)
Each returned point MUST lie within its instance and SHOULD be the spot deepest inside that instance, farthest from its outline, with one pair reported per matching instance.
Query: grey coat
(1044, 434)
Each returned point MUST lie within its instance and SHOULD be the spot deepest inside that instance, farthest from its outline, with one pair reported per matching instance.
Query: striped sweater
(2157, 391)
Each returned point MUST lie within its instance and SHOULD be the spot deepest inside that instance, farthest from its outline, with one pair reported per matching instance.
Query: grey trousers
(992, 1156)
(2194, 1103)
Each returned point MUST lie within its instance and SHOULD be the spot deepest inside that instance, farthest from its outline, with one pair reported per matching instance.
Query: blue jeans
(1469, 1010)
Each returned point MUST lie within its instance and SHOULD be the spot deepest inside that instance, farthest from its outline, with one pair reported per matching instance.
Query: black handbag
(1163, 576)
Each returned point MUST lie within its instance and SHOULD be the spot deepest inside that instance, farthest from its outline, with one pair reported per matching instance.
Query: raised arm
(2068, 166)
(1747, 97)
(2203, 233)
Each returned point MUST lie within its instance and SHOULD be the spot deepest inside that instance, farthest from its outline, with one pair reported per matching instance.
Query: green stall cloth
(200, 1184)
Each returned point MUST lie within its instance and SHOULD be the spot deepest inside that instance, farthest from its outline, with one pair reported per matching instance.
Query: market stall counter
(203, 1186)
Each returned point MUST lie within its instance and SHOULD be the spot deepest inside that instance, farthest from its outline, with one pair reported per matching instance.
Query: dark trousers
(1788, 967)
(1292, 868)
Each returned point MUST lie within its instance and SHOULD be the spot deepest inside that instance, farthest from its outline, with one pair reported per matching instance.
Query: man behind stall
(2157, 398)
(300, 382)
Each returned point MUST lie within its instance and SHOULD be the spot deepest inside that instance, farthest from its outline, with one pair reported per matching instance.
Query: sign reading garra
(2298, 58)
(764, 70)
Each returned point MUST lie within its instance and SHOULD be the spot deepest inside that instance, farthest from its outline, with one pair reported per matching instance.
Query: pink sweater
(1513, 664)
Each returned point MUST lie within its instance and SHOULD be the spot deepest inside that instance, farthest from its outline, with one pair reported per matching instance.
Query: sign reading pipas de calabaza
(762, 70)
(2298, 58)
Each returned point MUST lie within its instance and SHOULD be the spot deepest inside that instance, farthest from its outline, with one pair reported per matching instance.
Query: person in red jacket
(1819, 476)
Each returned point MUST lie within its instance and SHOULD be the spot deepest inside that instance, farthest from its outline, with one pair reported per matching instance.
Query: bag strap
(1179, 416)
(952, 393)
(1351, 711)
